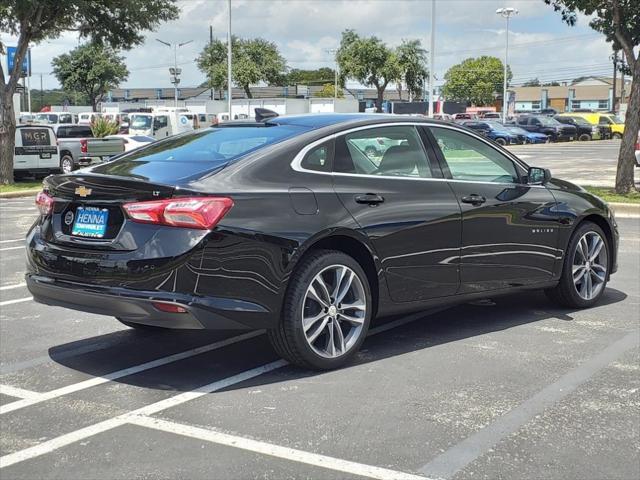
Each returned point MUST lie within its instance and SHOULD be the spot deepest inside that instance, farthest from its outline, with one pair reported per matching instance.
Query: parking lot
(514, 387)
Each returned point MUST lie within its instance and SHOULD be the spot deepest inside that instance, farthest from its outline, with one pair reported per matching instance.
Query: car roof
(320, 120)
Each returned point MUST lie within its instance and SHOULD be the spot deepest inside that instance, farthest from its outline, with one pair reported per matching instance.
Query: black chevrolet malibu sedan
(310, 226)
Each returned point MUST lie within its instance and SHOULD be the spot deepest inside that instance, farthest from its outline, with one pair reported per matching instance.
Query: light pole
(175, 71)
(335, 81)
(229, 91)
(432, 55)
(506, 13)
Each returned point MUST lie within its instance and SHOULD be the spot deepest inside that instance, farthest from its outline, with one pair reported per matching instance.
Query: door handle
(474, 199)
(370, 199)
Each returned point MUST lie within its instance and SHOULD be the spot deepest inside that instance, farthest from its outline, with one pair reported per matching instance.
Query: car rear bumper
(137, 306)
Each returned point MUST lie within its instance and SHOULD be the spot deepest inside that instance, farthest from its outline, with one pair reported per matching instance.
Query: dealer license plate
(90, 222)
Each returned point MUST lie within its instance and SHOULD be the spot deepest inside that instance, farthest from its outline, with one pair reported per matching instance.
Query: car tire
(66, 164)
(501, 141)
(318, 346)
(617, 136)
(141, 327)
(584, 137)
(578, 272)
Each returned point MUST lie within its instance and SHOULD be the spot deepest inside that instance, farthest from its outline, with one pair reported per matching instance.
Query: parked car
(638, 150)
(78, 147)
(459, 117)
(35, 151)
(606, 119)
(284, 226)
(496, 132)
(131, 142)
(586, 131)
(555, 130)
(529, 137)
(549, 111)
(443, 116)
(489, 115)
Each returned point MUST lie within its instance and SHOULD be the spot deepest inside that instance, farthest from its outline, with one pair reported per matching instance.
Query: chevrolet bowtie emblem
(83, 191)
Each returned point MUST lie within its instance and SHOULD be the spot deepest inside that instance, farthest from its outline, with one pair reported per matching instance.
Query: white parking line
(11, 287)
(12, 248)
(69, 438)
(17, 392)
(77, 435)
(272, 450)
(92, 382)
(17, 300)
(12, 241)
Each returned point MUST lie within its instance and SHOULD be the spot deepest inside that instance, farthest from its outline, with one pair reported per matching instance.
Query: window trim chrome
(297, 160)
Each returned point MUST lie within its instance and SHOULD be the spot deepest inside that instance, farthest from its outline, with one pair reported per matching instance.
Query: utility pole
(229, 62)
(615, 78)
(41, 93)
(334, 51)
(432, 56)
(210, 44)
(506, 13)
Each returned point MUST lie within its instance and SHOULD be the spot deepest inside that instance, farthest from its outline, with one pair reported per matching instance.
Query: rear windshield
(214, 146)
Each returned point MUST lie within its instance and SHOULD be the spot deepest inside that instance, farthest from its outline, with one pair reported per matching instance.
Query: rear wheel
(501, 141)
(584, 137)
(66, 163)
(326, 313)
(585, 270)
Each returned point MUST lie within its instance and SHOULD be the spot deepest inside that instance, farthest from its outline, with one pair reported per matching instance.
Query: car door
(402, 203)
(509, 231)
(160, 126)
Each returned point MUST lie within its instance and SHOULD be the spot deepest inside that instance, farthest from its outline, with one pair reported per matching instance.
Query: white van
(51, 118)
(159, 125)
(87, 118)
(36, 151)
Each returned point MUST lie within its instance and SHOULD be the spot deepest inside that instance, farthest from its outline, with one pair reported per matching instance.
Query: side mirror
(538, 176)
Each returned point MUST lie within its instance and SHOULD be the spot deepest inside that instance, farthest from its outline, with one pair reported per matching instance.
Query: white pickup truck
(78, 148)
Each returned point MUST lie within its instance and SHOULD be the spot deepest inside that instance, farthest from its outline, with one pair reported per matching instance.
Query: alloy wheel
(334, 311)
(67, 165)
(590, 264)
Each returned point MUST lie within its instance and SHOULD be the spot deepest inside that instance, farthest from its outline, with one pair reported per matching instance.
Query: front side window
(395, 151)
(473, 160)
(159, 122)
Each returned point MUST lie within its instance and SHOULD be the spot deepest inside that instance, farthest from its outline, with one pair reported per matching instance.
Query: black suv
(555, 130)
(586, 131)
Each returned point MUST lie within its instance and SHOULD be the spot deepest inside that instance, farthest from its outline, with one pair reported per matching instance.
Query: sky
(541, 45)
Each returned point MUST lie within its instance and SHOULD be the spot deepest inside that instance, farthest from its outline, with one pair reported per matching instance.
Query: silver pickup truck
(78, 148)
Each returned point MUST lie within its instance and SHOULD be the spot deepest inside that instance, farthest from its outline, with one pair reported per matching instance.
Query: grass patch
(17, 186)
(610, 195)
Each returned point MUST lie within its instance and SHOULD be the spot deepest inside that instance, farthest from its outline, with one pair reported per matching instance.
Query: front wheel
(585, 137)
(326, 313)
(501, 141)
(585, 270)
(617, 136)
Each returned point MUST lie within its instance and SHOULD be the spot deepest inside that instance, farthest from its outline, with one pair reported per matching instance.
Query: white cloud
(541, 45)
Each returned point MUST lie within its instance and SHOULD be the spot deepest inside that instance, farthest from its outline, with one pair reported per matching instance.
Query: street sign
(26, 61)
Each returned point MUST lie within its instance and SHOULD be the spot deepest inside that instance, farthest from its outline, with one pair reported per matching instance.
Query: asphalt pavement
(585, 163)
(511, 388)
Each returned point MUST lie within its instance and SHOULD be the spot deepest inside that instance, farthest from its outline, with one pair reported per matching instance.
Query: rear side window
(318, 159)
(32, 137)
(216, 146)
(75, 132)
(387, 151)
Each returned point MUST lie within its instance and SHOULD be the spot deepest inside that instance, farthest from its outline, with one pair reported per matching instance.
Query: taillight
(169, 307)
(83, 145)
(44, 202)
(202, 213)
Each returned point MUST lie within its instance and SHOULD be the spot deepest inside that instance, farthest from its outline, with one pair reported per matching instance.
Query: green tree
(92, 69)
(254, 60)
(619, 21)
(475, 80)
(118, 23)
(534, 82)
(310, 77)
(412, 60)
(368, 61)
(328, 91)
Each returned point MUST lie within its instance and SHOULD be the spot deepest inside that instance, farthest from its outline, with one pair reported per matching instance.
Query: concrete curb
(626, 210)
(20, 193)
